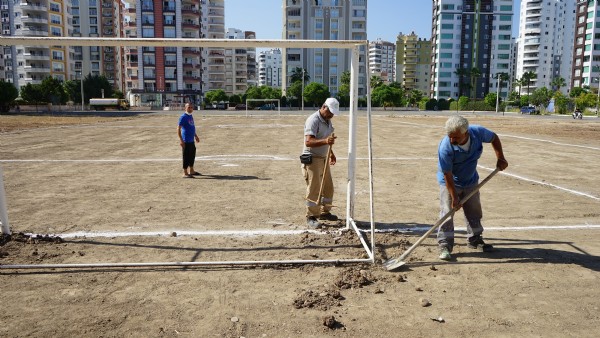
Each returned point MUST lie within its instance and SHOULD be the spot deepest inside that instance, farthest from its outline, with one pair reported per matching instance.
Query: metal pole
(497, 93)
(302, 89)
(81, 85)
(598, 99)
(3, 212)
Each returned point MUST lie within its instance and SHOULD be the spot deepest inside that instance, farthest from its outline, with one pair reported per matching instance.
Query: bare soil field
(97, 189)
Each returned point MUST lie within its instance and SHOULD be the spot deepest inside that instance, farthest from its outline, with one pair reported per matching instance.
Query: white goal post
(265, 100)
(353, 45)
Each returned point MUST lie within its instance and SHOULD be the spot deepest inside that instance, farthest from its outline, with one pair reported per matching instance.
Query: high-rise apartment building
(269, 68)
(471, 45)
(324, 20)
(413, 62)
(381, 60)
(167, 75)
(240, 64)
(213, 27)
(546, 38)
(31, 64)
(586, 60)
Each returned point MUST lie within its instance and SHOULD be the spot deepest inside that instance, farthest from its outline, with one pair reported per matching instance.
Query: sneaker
(312, 222)
(328, 217)
(445, 254)
(477, 243)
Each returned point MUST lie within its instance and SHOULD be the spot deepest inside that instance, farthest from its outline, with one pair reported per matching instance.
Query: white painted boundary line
(266, 232)
(240, 157)
(571, 191)
(548, 141)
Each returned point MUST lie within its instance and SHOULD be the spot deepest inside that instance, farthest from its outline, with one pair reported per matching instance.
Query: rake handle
(446, 216)
(324, 172)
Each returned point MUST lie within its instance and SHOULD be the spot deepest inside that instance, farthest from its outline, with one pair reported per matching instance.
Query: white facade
(269, 68)
(213, 27)
(240, 64)
(546, 37)
(324, 20)
(381, 60)
(466, 36)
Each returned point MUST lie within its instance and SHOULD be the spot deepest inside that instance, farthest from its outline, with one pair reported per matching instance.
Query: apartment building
(546, 37)
(97, 18)
(36, 18)
(166, 75)
(324, 20)
(269, 68)
(413, 61)
(240, 64)
(586, 65)
(381, 60)
(213, 27)
(469, 35)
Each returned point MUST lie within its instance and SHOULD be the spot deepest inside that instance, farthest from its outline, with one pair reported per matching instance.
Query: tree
(73, 90)
(316, 93)
(540, 97)
(376, 81)
(344, 89)
(297, 75)
(561, 102)
(526, 79)
(295, 90)
(490, 99)
(558, 82)
(462, 73)
(8, 93)
(32, 93)
(235, 98)
(414, 96)
(475, 73)
(52, 91)
(586, 100)
(217, 95)
(577, 91)
(387, 96)
(93, 86)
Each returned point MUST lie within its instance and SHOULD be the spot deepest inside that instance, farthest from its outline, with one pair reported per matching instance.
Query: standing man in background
(187, 135)
(318, 137)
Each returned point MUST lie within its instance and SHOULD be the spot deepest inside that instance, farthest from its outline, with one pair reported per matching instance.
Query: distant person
(458, 154)
(318, 136)
(187, 135)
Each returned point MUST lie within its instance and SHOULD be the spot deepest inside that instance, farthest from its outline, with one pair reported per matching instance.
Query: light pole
(497, 92)
(302, 89)
(81, 86)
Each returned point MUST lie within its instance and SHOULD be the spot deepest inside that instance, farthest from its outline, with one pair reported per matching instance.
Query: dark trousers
(189, 154)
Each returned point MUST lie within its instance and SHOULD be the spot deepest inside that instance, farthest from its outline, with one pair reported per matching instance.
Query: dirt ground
(111, 188)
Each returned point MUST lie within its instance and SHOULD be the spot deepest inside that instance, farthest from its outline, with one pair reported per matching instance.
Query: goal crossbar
(353, 45)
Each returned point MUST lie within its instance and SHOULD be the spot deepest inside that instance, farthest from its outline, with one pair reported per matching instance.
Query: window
(169, 32)
(148, 32)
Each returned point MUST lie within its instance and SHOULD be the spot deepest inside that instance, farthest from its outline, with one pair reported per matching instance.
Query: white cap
(333, 105)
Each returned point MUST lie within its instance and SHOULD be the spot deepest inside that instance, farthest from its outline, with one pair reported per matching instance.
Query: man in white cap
(318, 137)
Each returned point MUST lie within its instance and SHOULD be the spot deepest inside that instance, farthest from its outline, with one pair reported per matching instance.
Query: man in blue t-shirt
(187, 135)
(458, 154)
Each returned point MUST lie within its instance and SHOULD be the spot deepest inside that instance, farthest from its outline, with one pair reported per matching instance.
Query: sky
(386, 18)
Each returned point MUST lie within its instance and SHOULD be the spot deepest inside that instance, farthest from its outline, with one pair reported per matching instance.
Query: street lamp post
(302, 89)
(81, 86)
(497, 93)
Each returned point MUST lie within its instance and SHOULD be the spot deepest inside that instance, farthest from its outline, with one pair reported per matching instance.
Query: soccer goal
(270, 105)
(354, 46)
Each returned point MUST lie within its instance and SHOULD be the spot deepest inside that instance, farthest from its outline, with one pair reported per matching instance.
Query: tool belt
(306, 158)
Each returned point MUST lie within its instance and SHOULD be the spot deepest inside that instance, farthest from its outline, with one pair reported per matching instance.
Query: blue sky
(386, 18)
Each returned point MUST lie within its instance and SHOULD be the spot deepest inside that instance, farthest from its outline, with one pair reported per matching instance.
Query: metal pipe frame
(354, 45)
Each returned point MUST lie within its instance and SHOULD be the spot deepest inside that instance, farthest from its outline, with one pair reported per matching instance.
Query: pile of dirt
(320, 300)
(353, 278)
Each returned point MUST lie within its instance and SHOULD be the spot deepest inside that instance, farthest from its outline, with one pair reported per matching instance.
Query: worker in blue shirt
(458, 154)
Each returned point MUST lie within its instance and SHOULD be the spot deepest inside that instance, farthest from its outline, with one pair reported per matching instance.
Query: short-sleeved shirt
(188, 129)
(463, 163)
(320, 128)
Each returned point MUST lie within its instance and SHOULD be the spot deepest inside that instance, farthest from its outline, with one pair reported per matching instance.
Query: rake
(395, 263)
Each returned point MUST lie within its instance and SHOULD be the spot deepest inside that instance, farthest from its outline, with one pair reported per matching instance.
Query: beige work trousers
(313, 174)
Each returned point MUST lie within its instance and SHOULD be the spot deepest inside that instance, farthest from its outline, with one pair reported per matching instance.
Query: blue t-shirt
(463, 164)
(188, 129)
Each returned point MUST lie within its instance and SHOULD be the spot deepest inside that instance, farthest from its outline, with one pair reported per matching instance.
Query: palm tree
(558, 82)
(462, 73)
(474, 74)
(518, 83)
(503, 78)
(297, 75)
(376, 81)
(527, 77)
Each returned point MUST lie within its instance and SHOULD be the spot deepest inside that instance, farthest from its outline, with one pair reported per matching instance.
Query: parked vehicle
(240, 106)
(267, 106)
(577, 114)
(102, 104)
(528, 110)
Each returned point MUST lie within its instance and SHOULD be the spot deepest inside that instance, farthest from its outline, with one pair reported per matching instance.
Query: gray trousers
(313, 174)
(471, 209)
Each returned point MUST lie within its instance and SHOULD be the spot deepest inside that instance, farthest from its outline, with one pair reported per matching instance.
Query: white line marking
(571, 191)
(266, 232)
(210, 158)
(553, 142)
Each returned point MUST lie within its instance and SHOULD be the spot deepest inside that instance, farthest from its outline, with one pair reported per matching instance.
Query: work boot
(328, 217)
(312, 222)
(477, 243)
(445, 253)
